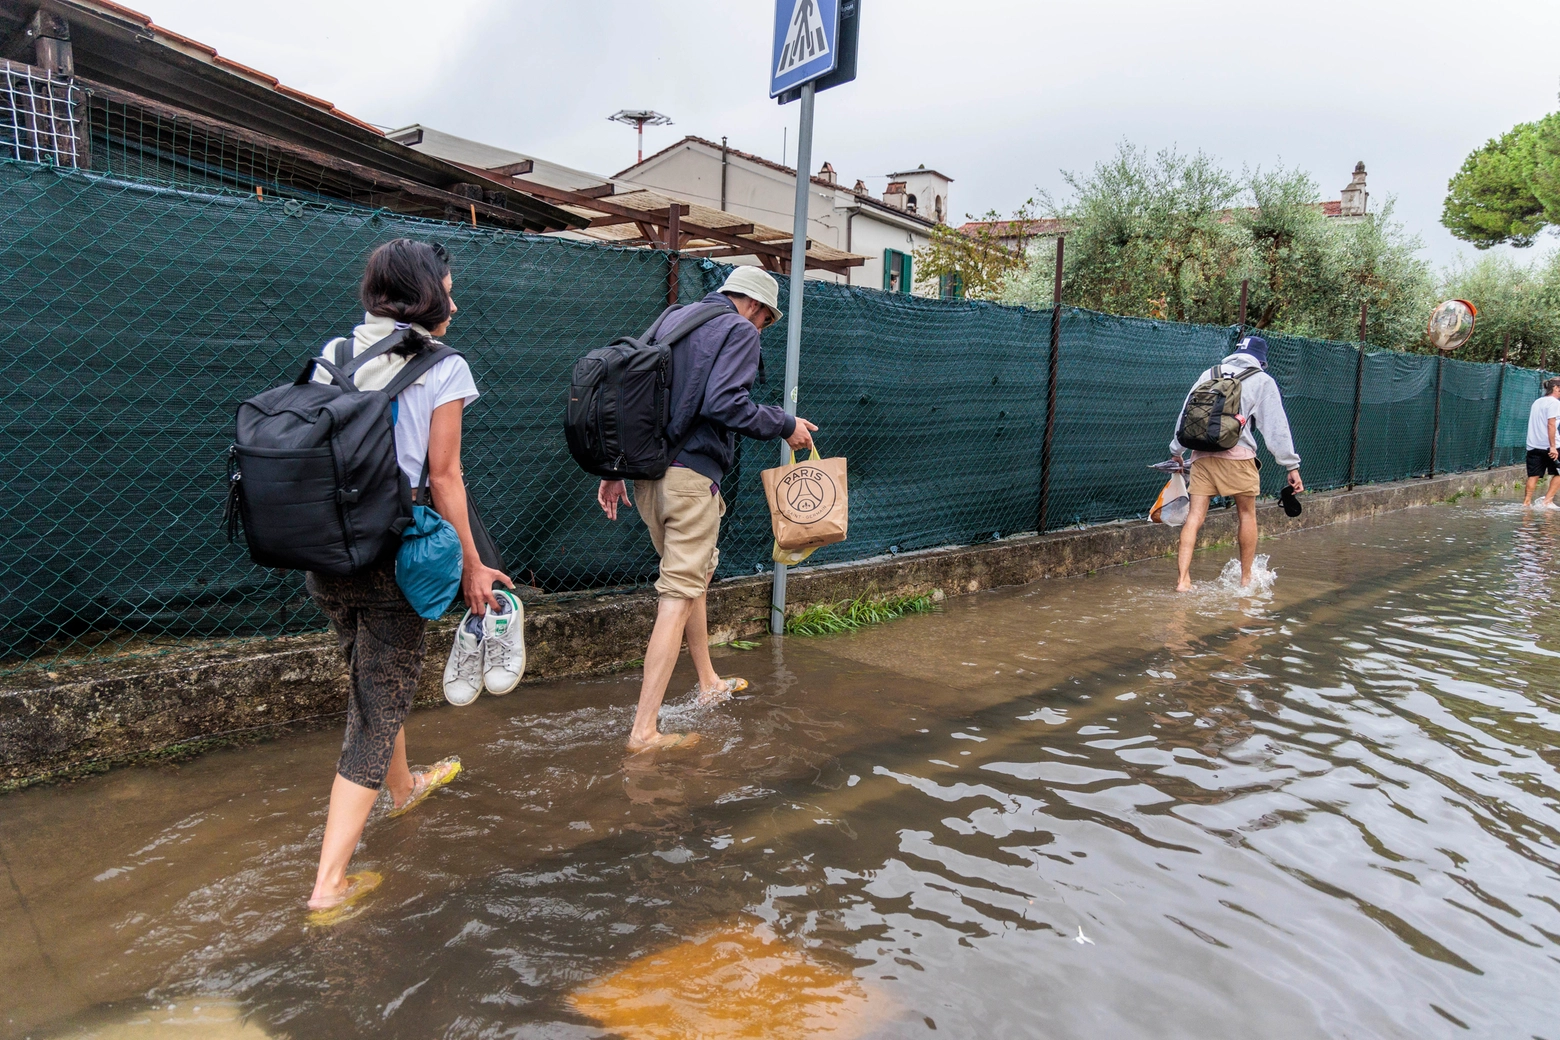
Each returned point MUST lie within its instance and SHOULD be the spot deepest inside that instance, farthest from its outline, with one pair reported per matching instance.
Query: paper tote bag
(808, 505)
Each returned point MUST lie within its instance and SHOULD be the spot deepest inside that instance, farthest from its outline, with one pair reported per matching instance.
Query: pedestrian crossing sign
(806, 42)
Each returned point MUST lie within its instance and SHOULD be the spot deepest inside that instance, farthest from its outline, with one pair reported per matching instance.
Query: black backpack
(1212, 419)
(620, 399)
(312, 471)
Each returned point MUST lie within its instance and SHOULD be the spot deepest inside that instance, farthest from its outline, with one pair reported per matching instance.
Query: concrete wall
(122, 709)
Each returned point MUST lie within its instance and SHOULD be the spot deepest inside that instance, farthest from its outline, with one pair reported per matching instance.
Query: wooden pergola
(639, 217)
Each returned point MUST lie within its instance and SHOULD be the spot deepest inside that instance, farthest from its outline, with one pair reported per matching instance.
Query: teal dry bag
(428, 564)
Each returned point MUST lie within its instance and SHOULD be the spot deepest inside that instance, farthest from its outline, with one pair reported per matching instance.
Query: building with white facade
(886, 230)
(618, 212)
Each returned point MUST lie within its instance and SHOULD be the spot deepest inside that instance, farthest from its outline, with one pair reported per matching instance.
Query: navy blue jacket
(713, 370)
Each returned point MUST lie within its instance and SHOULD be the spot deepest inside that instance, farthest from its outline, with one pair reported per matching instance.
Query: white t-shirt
(1544, 409)
(449, 380)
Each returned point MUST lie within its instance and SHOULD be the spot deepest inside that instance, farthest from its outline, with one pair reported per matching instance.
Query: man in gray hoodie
(713, 370)
(1234, 473)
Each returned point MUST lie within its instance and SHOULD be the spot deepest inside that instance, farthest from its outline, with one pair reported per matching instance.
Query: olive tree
(1172, 237)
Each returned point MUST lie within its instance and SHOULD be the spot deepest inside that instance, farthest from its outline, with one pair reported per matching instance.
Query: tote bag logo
(807, 494)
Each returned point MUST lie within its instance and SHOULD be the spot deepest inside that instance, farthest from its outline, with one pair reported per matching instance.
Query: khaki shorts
(684, 522)
(1228, 477)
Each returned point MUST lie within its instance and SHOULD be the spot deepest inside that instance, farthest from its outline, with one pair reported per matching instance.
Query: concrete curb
(123, 709)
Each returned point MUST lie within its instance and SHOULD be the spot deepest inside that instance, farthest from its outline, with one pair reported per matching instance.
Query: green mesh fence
(138, 315)
(1522, 387)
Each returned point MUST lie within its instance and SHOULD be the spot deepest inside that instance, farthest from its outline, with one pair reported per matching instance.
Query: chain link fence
(138, 315)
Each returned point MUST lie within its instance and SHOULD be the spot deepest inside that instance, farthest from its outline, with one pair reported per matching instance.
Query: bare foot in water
(662, 742)
(1184, 585)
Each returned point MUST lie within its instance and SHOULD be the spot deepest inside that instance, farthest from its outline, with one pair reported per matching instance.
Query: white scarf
(375, 375)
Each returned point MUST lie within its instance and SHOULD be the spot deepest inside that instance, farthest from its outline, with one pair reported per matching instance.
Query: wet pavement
(1086, 807)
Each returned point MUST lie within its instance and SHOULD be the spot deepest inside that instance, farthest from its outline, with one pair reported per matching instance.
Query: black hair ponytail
(404, 281)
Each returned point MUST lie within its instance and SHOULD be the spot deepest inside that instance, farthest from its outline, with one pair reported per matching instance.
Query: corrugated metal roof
(125, 49)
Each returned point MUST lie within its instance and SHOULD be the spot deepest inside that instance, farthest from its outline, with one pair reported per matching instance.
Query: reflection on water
(211, 1020)
(733, 983)
(1083, 808)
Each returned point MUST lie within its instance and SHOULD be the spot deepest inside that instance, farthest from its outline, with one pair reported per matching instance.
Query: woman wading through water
(406, 287)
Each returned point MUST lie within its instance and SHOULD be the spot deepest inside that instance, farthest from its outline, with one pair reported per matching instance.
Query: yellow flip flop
(358, 886)
(436, 776)
(670, 742)
(721, 693)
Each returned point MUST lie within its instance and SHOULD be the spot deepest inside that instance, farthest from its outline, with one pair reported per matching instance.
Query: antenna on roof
(638, 117)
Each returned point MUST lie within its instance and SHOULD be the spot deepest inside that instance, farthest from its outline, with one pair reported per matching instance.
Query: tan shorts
(1227, 477)
(684, 522)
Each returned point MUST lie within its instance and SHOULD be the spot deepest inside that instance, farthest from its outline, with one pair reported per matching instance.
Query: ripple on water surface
(1326, 806)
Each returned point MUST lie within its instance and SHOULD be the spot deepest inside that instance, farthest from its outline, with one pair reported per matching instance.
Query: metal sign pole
(793, 329)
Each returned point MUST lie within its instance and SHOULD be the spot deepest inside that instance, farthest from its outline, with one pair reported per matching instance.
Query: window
(896, 271)
(950, 286)
(910, 203)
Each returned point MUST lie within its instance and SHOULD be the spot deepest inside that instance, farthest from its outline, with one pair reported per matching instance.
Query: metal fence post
(1435, 432)
(1050, 390)
(1500, 391)
(1359, 380)
(674, 243)
(793, 330)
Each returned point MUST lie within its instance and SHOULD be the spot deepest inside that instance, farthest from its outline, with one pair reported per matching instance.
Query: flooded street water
(1083, 808)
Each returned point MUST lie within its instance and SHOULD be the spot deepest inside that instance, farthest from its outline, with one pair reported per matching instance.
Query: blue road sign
(806, 42)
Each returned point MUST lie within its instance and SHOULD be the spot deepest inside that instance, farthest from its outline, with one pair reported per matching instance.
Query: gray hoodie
(1263, 406)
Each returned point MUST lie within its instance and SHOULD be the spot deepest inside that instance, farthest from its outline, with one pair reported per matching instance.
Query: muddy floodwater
(1085, 808)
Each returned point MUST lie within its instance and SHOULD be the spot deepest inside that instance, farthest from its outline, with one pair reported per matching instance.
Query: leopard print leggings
(384, 641)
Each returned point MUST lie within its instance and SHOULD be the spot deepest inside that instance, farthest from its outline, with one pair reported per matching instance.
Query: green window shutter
(896, 271)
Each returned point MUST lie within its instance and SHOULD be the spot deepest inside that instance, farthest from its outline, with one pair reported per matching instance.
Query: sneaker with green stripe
(503, 644)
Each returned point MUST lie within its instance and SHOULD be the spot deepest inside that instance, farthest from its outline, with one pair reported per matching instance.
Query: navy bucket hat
(1256, 346)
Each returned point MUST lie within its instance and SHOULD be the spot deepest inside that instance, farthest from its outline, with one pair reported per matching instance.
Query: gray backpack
(312, 472)
(1212, 419)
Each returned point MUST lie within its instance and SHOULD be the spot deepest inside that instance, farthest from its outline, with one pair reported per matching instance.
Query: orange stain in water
(733, 983)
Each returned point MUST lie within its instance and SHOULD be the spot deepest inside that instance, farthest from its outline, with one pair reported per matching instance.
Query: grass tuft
(849, 615)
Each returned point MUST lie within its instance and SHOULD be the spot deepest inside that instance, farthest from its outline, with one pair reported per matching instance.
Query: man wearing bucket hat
(1233, 472)
(713, 371)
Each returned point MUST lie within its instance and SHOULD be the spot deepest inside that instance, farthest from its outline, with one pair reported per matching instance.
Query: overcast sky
(1001, 95)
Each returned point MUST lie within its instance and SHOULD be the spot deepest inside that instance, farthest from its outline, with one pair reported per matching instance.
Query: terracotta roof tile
(1012, 228)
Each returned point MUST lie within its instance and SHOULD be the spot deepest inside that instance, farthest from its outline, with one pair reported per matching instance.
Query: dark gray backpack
(1212, 419)
(620, 400)
(312, 472)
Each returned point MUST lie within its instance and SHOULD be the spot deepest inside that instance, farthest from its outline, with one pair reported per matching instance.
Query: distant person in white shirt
(1543, 456)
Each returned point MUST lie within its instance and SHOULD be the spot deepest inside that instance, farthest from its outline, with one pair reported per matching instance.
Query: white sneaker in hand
(503, 641)
(463, 671)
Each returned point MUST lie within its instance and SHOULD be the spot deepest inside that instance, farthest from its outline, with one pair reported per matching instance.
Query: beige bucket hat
(755, 284)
